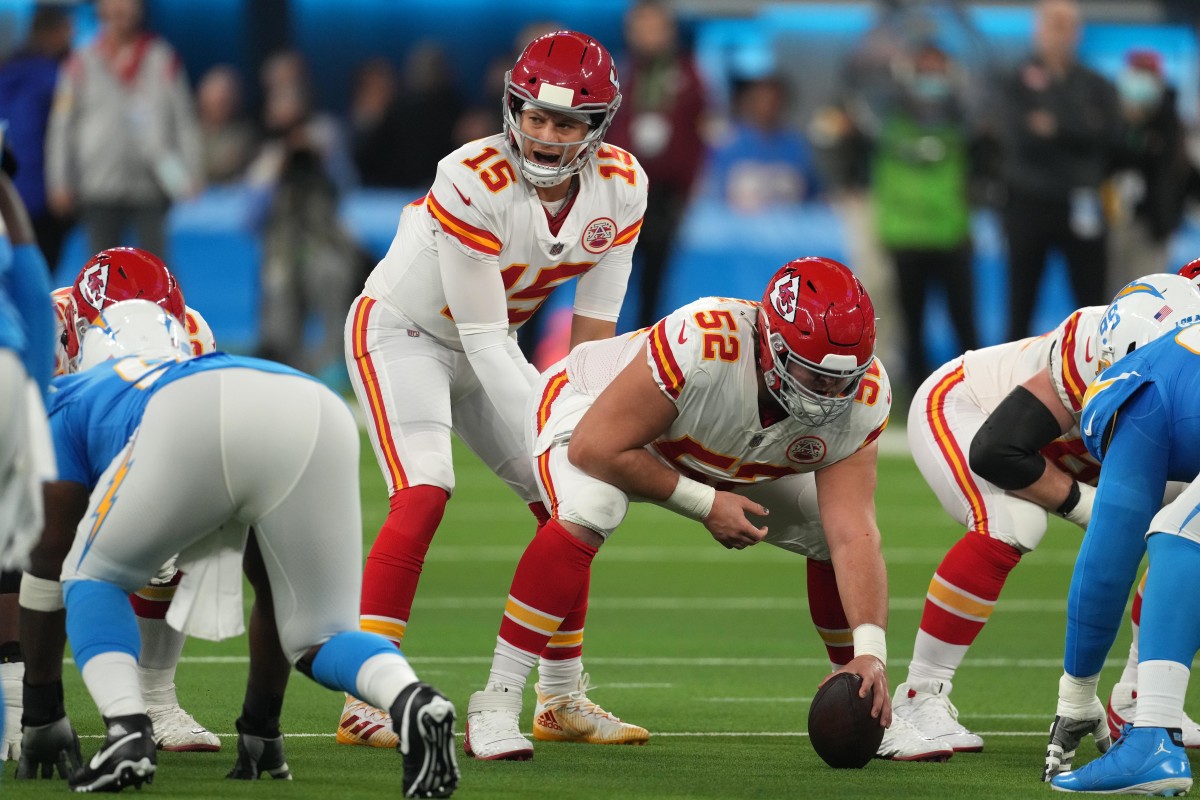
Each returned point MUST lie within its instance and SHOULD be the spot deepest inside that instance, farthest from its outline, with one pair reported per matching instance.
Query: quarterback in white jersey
(995, 434)
(430, 341)
(724, 410)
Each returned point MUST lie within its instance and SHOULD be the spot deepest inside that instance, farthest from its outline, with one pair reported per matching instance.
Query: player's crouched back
(270, 449)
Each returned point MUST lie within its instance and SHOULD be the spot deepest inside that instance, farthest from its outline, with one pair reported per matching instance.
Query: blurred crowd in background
(110, 132)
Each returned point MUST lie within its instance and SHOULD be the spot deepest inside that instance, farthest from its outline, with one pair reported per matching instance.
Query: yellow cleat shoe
(573, 718)
(366, 725)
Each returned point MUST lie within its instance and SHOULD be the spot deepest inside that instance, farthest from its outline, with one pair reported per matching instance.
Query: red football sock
(395, 561)
(825, 606)
(965, 588)
(153, 601)
(546, 589)
(567, 641)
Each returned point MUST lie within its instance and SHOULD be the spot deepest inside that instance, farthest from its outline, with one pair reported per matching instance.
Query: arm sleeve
(1005, 450)
(475, 296)
(29, 285)
(601, 291)
(1131, 488)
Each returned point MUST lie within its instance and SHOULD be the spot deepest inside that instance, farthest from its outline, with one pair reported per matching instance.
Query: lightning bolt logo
(1139, 288)
(110, 496)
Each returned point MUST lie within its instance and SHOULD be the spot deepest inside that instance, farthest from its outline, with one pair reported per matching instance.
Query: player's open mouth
(547, 158)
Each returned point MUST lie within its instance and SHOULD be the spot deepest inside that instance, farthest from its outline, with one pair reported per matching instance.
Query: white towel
(208, 602)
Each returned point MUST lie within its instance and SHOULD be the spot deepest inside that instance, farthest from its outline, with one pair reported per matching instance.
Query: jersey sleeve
(874, 395)
(465, 209)
(673, 351)
(1073, 363)
(200, 335)
(601, 291)
(70, 449)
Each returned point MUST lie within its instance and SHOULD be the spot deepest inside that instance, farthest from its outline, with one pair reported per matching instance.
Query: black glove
(258, 756)
(52, 746)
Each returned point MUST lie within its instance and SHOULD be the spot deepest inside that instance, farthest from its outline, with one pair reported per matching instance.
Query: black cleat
(127, 758)
(424, 721)
(258, 756)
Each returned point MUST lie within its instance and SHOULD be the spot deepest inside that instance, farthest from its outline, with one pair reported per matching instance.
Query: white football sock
(1130, 673)
(1161, 689)
(559, 677)
(112, 680)
(510, 666)
(382, 677)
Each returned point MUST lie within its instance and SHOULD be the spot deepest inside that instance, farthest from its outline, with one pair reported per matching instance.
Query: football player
(268, 448)
(723, 412)
(1139, 421)
(430, 341)
(110, 276)
(995, 434)
(26, 460)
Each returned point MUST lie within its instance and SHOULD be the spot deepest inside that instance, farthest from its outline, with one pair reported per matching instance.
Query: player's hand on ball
(728, 524)
(874, 677)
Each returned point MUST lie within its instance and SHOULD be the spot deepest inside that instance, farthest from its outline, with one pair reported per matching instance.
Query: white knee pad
(1019, 523)
(39, 594)
(596, 506)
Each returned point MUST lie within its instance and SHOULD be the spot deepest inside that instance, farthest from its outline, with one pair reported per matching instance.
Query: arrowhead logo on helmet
(93, 284)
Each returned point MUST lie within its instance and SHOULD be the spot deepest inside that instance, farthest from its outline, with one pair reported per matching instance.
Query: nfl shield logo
(556, 248)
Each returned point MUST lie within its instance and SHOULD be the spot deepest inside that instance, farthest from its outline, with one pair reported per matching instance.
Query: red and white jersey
(1069, 352)
(68, 327)
(484, 206)
(704, 358)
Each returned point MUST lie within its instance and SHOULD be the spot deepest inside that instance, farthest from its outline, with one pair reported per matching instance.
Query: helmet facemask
(812, 393)
(598, 117)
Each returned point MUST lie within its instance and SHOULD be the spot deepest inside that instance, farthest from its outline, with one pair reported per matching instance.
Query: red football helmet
(816, 337)
(1191, 271)
(568, 73)
(122, 273)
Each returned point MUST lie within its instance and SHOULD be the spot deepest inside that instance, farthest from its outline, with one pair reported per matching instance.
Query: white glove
(1081, 514)
(11, 676)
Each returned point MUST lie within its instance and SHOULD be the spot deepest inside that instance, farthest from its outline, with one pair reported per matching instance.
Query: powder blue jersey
(12, 336)
(93, 413)
(1142, 422)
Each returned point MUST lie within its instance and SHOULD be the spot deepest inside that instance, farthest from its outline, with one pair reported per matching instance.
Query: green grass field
(711, 650)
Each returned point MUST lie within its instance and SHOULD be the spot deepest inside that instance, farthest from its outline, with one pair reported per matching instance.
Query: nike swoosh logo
(100, 757)
(682, 329)
(1087, 351)
(466, 200)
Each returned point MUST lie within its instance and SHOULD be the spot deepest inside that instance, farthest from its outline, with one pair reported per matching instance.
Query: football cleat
(1122, 708)
(493, 726)
(904, 742)
(1148, 761)
(127, 757)
(926, 704)
(177, 731)
(364, 724)
(573, 717)
(49, 747)
(425, 727)
(258, 756)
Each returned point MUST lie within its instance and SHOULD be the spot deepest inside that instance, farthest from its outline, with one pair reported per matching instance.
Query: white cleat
(493, 727)
(573, 717)
(364, 724)
(177, 731)
(926, 704)
(1122, 708)
(903, 742)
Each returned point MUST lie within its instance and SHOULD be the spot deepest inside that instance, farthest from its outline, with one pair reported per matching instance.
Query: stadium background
(712, 651)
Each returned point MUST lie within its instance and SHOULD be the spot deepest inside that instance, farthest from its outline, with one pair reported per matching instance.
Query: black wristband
(1072, 500)
(43, 704)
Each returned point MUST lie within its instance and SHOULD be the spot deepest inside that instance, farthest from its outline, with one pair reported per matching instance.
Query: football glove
(47, 748)
(258, 756)
(1065, 735)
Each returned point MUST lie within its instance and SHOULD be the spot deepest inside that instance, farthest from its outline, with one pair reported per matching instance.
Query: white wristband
(692, 499)
(1077, 696)
(870, 640)
(39, 594)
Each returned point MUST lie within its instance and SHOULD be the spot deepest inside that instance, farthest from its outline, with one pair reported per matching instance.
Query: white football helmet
(1144, 310)
(133, 328)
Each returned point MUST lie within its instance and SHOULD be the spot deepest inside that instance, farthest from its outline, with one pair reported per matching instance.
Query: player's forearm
(634, 471)
(502, 379)
(862, 580)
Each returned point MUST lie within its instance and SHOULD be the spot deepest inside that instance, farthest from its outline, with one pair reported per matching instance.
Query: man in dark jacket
(1059, 124)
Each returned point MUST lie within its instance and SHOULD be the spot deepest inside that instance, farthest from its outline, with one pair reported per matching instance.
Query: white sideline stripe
(695, 554)
(709, 604)
(754, 699)
(653, 734)
(625, 661)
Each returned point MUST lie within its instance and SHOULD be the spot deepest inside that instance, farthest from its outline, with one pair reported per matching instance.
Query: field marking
(653, 734)
(696, 554)
(490, 603)
(628, 661)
